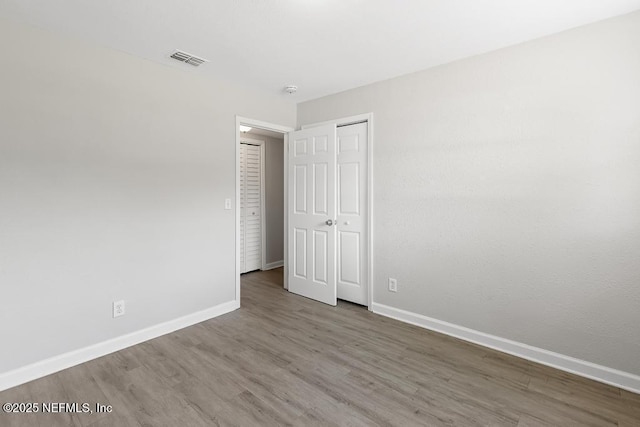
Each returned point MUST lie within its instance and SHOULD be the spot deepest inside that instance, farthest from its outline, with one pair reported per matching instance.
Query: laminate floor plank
(20, 394)
(74, 382)
(597, 402)
(286, 360)
(632, 398)
(50, 391)
(520, 400)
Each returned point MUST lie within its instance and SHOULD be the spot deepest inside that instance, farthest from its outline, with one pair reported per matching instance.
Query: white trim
(239, 121)
(614, 377)
(267, 126)
(57, 363)
(368, 117)
(344, 121)
(370, 205)
(285, 210)
(263, 209)
(262, 125)
(275, 264)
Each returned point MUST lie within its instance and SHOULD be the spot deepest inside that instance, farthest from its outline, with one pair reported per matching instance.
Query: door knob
(329, 222)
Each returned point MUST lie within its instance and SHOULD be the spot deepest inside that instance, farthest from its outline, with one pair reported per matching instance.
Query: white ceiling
(323, 46)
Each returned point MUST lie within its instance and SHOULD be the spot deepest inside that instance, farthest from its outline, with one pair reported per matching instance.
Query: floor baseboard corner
(58, 363)
(272, 265)
(614, 377)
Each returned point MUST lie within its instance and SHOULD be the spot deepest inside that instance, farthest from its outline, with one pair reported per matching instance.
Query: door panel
(300, 253)
(300, 189)
(320, 255)
(352, 159)
(312, 201)
(300, 147)
(349, 189)
(349, 258)
(320, 189)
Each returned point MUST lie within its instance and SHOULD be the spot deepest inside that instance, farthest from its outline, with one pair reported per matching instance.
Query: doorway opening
(316, 252)
(260, 196)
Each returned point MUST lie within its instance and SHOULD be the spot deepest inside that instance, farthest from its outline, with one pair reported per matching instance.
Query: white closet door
(352, 238)
(328, 239)
(250, 207)
(312, 213)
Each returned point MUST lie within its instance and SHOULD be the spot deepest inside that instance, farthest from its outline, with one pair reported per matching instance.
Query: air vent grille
(195, 61)
(188, 58)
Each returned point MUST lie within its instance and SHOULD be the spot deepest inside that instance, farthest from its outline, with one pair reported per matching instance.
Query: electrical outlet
(393, 285)
(227, 204)
(118, 308)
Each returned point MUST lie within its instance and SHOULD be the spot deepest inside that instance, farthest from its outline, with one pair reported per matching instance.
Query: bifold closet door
(327, 187)
(250, 207)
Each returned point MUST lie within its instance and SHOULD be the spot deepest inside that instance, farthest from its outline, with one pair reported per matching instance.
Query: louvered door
(250, 207)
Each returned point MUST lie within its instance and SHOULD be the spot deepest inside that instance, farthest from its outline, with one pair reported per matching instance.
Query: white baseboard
(272, 265)
(614, 377)
(57, 363)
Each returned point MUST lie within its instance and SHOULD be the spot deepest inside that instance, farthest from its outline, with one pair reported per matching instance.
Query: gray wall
(113, 175)
(507, 190)
(274, 183)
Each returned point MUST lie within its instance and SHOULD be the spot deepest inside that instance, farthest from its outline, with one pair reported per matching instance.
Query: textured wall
(507, 190)
(113, 175)
(274, 183)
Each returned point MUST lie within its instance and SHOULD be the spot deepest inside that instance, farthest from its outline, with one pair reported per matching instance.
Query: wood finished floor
(285, 360)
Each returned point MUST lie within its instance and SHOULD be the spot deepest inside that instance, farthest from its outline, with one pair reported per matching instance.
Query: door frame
(263, 240)
(368, 117)
(284, 130)
(359, 118)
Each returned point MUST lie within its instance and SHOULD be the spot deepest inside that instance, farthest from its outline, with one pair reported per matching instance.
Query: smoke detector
(291, 89)
(188, 58)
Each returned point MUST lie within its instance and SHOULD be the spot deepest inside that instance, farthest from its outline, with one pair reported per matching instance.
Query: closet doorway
(329, 212)
(345, 269)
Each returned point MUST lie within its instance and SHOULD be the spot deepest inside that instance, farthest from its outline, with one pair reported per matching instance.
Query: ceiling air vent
(188, 58)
